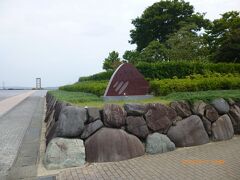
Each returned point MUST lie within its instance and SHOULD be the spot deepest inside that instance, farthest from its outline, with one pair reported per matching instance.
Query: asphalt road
(15, 126)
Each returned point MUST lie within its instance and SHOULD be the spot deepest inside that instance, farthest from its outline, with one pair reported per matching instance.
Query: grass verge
(91, 100)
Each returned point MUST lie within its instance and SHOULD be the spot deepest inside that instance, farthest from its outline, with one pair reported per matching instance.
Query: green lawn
(91, 100)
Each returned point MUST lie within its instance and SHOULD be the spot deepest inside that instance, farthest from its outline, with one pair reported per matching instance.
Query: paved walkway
(9, 103)
(4, 94)
(218, 160)
(14, 125)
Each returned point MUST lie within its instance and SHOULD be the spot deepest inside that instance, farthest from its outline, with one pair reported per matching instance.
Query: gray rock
(71, 121)
(137, 126)
(188, 132)
(222, 129)
(109, 144)
(158, 143)
(210, 113)
(59, 105)
(237, 103)
(198, 108)
(221, 106)
(64, 153)
(93, 114)
(182, 108)
(91, 128)
(114, 116)
(234, 114)
(178, 118)
(135, 109)
(207, 125)
(160, 117)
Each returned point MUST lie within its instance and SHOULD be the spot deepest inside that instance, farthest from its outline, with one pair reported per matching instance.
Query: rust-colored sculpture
(127, 81)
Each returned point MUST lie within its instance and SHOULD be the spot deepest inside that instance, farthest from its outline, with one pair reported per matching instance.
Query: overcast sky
(61, 40)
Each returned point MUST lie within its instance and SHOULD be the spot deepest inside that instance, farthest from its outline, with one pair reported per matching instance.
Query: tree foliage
(131, 56)
(186, 44)
(161, 19)
(155, 51)
(223, 37)
(112, 61)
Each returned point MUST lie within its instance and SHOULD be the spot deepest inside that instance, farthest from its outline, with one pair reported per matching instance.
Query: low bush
(196, 83)
(180, 69)
(97, 77)
(95, 87)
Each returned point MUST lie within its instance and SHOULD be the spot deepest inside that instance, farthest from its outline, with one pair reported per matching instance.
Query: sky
(62, 40)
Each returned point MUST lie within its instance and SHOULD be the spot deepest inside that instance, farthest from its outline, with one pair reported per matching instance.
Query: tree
(186, 44)
(112, 61)
(161, 19)
(223, 37)
(229, 50)
(154, 52)
(131, 56)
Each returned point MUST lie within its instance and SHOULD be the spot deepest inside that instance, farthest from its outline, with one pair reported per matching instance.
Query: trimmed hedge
(211, 81)
(182, 68)
(97, 77)
(95, 87)
(197, 83)
(178, 69)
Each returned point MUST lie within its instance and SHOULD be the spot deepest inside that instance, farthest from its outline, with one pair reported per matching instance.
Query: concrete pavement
(217, 160)
(8, 103)
(4, 94)
(20, 129)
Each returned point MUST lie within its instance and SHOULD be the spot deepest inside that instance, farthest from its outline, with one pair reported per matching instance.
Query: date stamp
(202, 161)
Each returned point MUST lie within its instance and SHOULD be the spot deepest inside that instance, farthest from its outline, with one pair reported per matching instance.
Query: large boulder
(64, 153)
(93, 114)
(159, 117)
(222, 129)
(188, 132)
(207, 125)
(135, 109)
(91, 128)
(59, 105)
(109, 144)
(198, 108)
(234, 114)
(182, 108)
(71, 121)
(210, 113)
(158, 143)
(221, 106)
(137, 125)
(114, 116)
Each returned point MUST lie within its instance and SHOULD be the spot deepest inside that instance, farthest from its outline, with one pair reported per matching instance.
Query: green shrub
(195, 83)
(97, 77)
(175, 69)
(95, 87)
(181, 69)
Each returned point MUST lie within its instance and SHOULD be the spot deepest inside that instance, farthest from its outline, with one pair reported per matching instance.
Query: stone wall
(76, 135)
